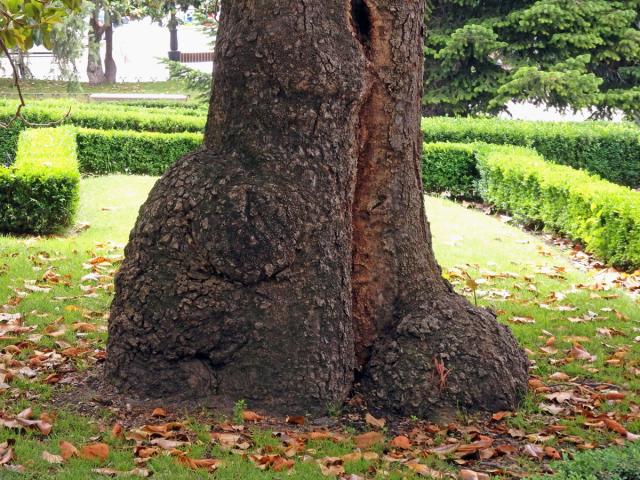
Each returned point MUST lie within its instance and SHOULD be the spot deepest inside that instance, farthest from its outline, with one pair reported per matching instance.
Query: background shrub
(449, 167)
(143, 153)
(108, 117)
(603, 216)
(39, 192)
(609, 150)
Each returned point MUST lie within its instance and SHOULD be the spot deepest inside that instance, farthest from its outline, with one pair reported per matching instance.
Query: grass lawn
(43, 88)
(580, 395)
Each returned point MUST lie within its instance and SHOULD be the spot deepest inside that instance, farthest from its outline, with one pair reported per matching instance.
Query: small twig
(16, 83)
(442, 373)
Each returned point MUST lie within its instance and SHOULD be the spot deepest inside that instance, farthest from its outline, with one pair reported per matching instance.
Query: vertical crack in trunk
(361, 21)
(373, 282)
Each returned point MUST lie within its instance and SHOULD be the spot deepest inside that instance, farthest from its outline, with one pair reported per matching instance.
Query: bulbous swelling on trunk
(237, 274)
(446, 355)
(292, 252)
(227, 289)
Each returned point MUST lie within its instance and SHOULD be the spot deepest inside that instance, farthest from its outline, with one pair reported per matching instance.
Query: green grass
(465, 241)
(45, 88)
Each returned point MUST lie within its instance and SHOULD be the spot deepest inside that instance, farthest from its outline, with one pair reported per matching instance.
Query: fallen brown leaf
(424, 470)
(373, 421)
(209, 464)
(51, 458)
(67, 450)
(110, 472)
(295, 419)
(401, 442)
(367, 440)
(249, 416)
(95, 451)
(159, 412)
(331, 466)
(471, 475)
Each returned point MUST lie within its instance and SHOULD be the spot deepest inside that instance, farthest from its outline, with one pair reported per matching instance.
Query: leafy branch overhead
(24, 23)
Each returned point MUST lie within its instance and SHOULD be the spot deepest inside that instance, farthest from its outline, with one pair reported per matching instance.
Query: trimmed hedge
(609, 150)
(103, 107)
(143, 153)
(451, 168)
(109, 118)
(603, 216)
(39, 192)
(190, 105)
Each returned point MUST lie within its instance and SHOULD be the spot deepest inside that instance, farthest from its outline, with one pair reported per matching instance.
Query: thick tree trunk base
(294, 250)
(205, 303)
(447, 355)
(199, 313)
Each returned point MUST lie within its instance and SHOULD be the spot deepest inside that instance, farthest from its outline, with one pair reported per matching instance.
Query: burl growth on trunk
(290, 259)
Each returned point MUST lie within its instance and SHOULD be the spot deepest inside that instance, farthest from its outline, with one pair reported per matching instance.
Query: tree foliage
(564, 53)
(24, 23)
(158, 10)
(67, 42)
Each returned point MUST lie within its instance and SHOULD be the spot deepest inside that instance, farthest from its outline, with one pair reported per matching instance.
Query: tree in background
(164, 12)
(67, 42)
(206, 16)
(104, 17)
(482, 54)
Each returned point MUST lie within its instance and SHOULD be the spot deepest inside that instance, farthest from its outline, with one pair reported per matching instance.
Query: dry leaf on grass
(95, 451)
(331, 466)
(51, 458)
(424, 470)
(274, 462)
(368, 440)
(472, 475)
(249, 416)
(67, 450)
(401, 442)
(374, 422)
(209, 464)
(295, 419)
(110, 472)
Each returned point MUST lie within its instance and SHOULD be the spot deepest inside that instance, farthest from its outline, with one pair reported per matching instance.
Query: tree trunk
(291, 257)
(110, 68)
(174, 53)
(95, 73)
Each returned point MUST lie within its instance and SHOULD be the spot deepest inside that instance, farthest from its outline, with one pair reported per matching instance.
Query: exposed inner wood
(373, 285)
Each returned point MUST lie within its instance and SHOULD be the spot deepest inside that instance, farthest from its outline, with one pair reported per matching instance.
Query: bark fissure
(361, 21)
(374, 274)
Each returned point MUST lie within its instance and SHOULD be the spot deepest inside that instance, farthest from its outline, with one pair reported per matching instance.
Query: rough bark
(293, 249)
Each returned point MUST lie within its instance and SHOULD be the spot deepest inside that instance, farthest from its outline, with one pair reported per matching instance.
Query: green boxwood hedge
(142, 153)
(606, 149)
(108, 117)
(603, 216)
(451, 168)
(39, 191)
